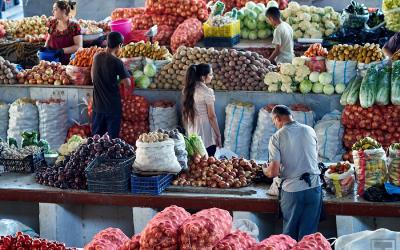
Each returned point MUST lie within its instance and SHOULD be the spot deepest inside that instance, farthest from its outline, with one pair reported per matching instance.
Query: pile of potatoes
(233, 70)
(8, 72)
(363, 54)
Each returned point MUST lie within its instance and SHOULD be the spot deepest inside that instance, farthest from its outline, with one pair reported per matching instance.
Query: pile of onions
(163, 36)
(187, 34)
(169, 20)
(210, 172)
(236, 240)
(183, 8)
(120, 13)
(45, 73)
(142, 22)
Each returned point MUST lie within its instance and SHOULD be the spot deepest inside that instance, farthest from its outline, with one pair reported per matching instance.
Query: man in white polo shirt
(293, 156)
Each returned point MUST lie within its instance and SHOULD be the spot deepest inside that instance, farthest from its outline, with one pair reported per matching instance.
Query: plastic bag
(223, 153)
(370, 166)
(369, 240)
(394, 166)
(340, 184)
(363, 67)
(156, 157)
(23, 117)
(134, 63)
(329, 131)
(79, 75)
(263, 132)
(238, 128)
(246, 226)
(274, 188)
(11, 227)
(3, 120)
(342, 71)
(53, 120)
(158, 63)
(304, 117)
(180, 151)
(163, 118)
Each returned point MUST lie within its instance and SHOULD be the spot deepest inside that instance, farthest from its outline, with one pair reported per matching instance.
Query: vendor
(198, 107)
(108, 71)
(64, 34)
(392, 45)
(283, 37)
(293, 156)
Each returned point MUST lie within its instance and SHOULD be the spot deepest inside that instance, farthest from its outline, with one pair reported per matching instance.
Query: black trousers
(211, 150)
(106, 123)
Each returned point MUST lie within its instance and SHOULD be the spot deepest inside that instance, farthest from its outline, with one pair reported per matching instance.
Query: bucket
(123, 26)
(48, 55)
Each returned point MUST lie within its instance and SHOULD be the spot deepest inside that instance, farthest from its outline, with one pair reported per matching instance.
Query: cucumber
(343, 98)
(395, 88)
(383, 86)
(352, 97)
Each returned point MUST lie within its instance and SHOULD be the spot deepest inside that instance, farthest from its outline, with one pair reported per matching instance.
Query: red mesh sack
(313, 241)
(276, 242)
(169, 20)
(162, 231)
(187, 34)
(236, 241)
(182, 8)
(121, 13)
(142, 22)
(164, 34)
(130, 131)
(109, 238)
(205, 229)
(135, 108)
(132, 244)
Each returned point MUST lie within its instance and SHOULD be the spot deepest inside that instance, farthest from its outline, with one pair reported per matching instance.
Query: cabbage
(261, 25)
(272, 4)
(262, 34)
(314, 76)
(250, 23)
(339, 88)
(150, 70)
(137, 74)
(325, 78)
(253, 35)
(250, 5)
(262, 18)
(143, 82)
(244, 33)
(262, 6)
(317, 88)
(250, 14)
(241, 15)
(257, 10)
(329, 89)
(306, 86)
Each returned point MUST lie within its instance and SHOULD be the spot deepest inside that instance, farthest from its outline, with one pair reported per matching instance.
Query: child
(283, 37)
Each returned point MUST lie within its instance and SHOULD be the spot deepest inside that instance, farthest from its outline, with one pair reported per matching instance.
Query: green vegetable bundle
(194, 145)
(395, 88)
(383, 86)
(368, 88)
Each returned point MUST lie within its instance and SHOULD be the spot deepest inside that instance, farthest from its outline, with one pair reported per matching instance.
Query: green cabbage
(253, 35)
(262, 34)
(258, 10)
(137, 74)
(329, 89)
(262, 18)
(150, 70)
(317, 88)
(250, 14)
(244, 33)
(306, 86)
(339, 88)
(143, 82)
(261, 25)
(250, 5)
(250, 23)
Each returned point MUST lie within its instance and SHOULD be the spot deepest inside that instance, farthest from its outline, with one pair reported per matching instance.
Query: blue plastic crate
(221, 41)
(150, 184)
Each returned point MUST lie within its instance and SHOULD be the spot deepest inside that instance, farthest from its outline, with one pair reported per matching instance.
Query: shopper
(198, 107)
(107, 71)
(64, 34)
(283, 37)
(392, 45)
(293, 156)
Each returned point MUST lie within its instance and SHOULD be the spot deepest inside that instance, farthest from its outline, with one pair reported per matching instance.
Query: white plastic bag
(330, 132)
(223, 153)
(264, 130)
(394, 166)
(378, 239)
(53, 120)
(180, 151)
(163, 118)
(156, 157)
(3, 120)
(342, 71)
(246, 226)
(11, 227)
(306, 118)
(238, 128)
(23, 117)
(274, 188)
(134, 63)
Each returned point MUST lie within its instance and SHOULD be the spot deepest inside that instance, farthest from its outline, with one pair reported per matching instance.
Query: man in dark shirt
(107, 70)
(392, 45)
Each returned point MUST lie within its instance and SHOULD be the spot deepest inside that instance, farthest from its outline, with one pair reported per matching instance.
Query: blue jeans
(301, 212)
(106, 123)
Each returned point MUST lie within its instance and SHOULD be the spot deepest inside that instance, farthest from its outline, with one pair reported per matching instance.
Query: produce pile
(10, 151)
(78, 129)
(311, 21)
(135, 118)
(175, 228)
(316, 49)
(379, 122)
(8, 72)
(153, 137)
(28, 27)
(90, 27)
(187, 33)
(233, 70)
(24, 241)
(183, 8)
(362, 54)
(84, 56)
(210, 172)
(70, 146)
(282, 4)
(392, 14)
(45, 73)
(145, 49)
(120, 13)
(253, 22)
(354, 14)
(70, 173)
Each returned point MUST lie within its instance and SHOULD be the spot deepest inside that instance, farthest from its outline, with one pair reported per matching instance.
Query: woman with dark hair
(64, 34)
(198, 107)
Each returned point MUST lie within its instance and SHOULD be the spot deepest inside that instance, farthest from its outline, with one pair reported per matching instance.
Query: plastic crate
(150, 184)
(226, 31)
(119, 170)
(109, 186)
(27, 165)
(221, 42)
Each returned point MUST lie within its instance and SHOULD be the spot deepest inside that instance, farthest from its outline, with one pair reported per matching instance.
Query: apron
(304, 177)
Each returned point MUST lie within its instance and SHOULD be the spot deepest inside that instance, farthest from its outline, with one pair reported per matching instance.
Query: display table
(20, 52)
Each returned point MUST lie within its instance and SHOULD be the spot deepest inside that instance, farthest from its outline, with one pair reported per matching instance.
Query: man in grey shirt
(293, 156)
